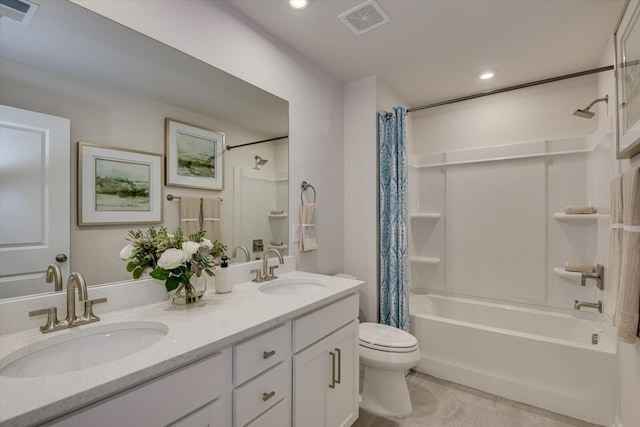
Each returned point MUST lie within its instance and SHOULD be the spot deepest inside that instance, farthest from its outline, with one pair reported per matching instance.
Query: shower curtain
(394, 294)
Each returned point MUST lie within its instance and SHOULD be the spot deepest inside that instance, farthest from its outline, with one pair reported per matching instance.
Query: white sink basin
(292, 286)
(81, 348)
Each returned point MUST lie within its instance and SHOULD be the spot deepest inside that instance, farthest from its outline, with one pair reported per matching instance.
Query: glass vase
(191, 293)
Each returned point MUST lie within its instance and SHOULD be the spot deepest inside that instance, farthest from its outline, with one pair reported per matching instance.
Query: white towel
(622, 288)
(211, 218)
(189, 215)
(308, 240)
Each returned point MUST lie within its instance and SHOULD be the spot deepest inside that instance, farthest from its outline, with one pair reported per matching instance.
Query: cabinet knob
(267, 396)
(268, 354)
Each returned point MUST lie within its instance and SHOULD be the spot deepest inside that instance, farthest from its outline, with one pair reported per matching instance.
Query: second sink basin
(81, 349)
(291, 286)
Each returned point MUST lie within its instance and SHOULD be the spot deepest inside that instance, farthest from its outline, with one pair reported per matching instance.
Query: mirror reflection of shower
(585, 113)
(259, 162)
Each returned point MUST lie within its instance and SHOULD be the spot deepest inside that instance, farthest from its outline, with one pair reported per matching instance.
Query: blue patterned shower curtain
(394, 293)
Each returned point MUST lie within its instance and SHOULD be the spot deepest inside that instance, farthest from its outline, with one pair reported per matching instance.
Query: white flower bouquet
(172, 258)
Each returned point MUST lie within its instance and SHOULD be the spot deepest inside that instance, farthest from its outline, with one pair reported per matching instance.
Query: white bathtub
(541, 358)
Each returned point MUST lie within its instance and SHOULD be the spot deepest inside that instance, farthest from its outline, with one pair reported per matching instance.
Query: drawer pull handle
(268, 354)
(339, 365)
(333, 369)
(267, 396)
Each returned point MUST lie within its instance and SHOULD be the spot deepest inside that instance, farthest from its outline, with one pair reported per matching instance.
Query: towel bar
(304, 186)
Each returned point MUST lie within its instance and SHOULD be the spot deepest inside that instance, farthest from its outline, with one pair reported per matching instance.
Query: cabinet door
(215, 414)
(319, 400)
(342, 402)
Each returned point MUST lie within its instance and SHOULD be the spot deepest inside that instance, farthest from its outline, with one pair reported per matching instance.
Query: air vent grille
(21, 11)
(364, 18)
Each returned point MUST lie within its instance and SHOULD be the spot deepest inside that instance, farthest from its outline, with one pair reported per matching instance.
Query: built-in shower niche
(257, 194)
(487, 216)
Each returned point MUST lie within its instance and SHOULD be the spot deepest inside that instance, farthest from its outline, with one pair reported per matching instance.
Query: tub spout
(579, 304)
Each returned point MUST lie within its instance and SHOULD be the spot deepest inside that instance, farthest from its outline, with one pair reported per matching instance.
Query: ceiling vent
(20, 11)
(364, 18)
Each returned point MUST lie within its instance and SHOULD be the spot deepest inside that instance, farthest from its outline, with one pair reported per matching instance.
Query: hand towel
(579, 268)
(308, 240)
(211, 218)
(189, 215)
(580, 210)
(622, 290)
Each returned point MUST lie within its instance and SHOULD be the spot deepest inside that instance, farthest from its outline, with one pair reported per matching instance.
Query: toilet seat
(386, 338)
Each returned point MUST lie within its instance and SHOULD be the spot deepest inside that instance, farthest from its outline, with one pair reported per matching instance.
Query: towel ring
(304, 186)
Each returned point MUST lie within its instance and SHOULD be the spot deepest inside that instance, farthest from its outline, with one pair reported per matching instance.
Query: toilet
(385, 353)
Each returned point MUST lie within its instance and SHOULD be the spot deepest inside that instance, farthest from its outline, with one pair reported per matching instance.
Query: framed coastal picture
(627, 66)
(194, 156)
(118, 186)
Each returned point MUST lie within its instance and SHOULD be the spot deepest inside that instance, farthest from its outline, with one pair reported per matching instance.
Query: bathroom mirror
(117, 87)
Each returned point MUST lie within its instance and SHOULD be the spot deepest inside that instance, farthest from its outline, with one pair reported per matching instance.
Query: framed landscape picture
(118, 186)
(627, 53)
(194, 156)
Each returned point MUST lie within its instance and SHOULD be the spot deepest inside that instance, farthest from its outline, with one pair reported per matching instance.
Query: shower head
(259, 162)
(585, 113)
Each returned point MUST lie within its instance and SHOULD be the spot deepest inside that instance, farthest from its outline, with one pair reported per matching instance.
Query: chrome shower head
(585, 113)
(259, 162)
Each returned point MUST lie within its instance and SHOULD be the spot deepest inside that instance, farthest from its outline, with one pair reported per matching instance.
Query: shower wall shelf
(561, 216)
(424, 260)
(425, 216)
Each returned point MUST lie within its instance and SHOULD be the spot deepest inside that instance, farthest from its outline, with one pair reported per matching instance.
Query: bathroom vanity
(279, 353)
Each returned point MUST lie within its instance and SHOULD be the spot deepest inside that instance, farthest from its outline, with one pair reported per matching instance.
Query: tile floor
(439, 403)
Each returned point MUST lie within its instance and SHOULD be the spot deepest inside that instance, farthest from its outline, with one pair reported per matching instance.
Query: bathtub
(541, 358)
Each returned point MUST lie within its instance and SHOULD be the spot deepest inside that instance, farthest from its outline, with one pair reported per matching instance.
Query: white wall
(215, 34)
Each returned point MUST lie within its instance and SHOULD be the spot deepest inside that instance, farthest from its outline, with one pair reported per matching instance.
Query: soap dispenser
(224, 277)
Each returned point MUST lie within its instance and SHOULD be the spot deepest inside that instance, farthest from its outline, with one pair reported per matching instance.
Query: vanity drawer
(260, 353)
(315, 326)
(260, 394)
(279, 415)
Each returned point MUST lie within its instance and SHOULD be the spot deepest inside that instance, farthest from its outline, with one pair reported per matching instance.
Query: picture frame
(194, 156)
(627, 76)
(118, 186)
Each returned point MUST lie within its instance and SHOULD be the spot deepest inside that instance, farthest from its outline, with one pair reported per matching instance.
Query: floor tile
(439, 403)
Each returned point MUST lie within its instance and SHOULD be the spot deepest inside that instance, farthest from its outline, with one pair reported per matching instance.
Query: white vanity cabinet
(198, 395)
(262, 375)
(325, 374)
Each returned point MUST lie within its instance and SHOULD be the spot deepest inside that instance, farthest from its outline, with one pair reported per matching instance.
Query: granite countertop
(194, 332)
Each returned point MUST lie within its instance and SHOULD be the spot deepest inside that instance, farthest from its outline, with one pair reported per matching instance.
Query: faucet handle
(258, 277)
(271, 275)
(52, 319)
(88, 316)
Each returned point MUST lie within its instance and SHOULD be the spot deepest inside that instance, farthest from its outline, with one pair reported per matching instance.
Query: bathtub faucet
(579, 304)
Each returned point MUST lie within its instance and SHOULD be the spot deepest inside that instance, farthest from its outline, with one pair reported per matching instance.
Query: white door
(34, 199)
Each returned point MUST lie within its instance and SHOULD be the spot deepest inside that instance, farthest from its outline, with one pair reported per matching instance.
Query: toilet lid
(386, 338)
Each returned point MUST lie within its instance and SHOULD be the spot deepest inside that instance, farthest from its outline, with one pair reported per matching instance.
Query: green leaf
(131, 266)
(160, 274)
(137, 273)
(171, 283)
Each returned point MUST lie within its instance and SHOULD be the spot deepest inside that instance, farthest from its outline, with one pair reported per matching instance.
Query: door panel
(34, 199)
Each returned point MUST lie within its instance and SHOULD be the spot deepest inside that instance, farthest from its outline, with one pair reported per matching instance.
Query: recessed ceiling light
(487, 74)
(299, 4)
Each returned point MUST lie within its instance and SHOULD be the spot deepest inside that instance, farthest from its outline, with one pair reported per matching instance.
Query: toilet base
(385, 392)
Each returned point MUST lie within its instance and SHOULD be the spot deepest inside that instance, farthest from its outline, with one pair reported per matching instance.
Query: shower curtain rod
(510, 88)
(257, 142)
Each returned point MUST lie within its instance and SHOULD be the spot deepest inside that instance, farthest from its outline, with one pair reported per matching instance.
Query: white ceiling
(432, 50)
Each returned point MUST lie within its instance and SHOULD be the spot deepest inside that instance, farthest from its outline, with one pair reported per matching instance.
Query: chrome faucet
(74, 281)
(53, 324)
(243, 249)
(579, 304)
(267, 272)
(54, 275)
